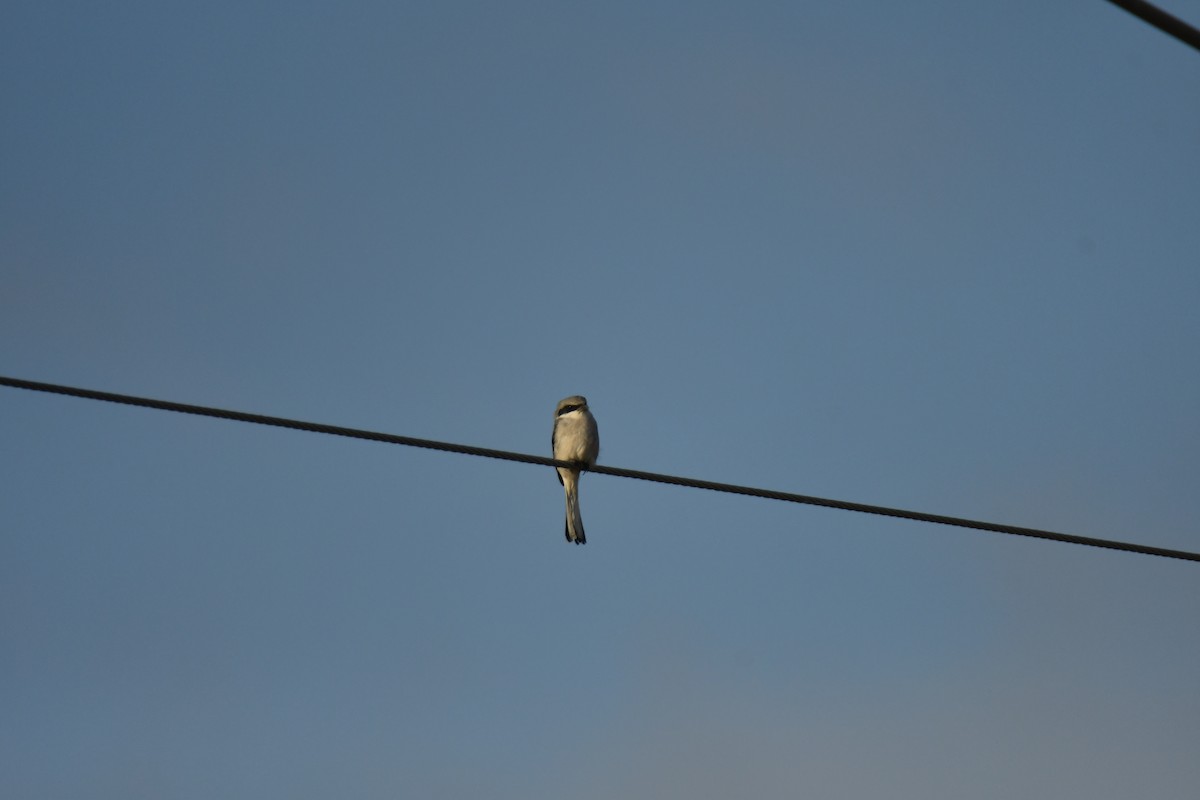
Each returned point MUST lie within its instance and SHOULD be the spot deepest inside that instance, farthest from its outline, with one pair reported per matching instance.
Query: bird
(575, 438)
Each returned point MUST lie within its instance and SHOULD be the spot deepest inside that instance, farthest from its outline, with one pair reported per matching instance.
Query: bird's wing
(553, 449)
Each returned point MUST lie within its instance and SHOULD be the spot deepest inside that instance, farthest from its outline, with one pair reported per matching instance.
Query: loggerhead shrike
(575, 438)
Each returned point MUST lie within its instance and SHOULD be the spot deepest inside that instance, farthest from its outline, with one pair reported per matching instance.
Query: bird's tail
(574, 525)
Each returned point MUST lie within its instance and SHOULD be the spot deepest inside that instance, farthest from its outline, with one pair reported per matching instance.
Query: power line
(408, 441)
(1160, 19)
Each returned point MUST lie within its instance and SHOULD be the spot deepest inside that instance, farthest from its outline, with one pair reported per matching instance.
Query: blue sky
(940, 256)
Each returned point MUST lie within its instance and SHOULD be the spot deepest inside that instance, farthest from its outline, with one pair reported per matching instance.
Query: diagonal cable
(1167, 23)
(409, 441)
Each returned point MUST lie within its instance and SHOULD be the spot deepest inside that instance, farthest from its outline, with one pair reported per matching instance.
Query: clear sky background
(939, 255)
